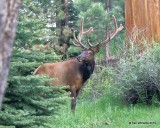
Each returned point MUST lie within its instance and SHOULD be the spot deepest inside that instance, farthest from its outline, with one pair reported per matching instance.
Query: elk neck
(86, 68)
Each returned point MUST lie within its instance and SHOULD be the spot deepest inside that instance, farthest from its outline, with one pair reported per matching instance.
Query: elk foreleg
(74, 97)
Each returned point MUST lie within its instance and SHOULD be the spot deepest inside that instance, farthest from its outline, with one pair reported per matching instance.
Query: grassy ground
(108, 113)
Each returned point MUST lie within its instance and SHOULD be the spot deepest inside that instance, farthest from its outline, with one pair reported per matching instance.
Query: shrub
(138, 78)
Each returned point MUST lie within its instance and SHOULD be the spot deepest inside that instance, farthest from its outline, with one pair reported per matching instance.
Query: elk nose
(79, 59)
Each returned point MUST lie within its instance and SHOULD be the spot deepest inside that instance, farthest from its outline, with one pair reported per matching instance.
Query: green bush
(138, 78)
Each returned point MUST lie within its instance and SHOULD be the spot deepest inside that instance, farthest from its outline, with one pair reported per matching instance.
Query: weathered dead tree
(8, 16)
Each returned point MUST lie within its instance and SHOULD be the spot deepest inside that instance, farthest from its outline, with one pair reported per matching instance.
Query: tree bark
(108, 5)
(8, 15)
(107, 8)
(66, 12)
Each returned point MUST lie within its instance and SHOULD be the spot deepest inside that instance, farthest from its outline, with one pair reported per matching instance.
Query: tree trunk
(61, 26)
(107, 52)
(8, 16)
(108, 5)
(107, 8)
(66, 12)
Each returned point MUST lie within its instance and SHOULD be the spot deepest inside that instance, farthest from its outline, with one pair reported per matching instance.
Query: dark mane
(86, 69)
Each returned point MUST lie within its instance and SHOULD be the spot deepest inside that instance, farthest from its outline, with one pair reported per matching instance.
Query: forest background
(44, 35)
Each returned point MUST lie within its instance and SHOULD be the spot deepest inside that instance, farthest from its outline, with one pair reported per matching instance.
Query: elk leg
(77, 92)
(73, 95)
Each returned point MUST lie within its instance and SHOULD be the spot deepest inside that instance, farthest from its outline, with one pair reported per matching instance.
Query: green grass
(108, 113)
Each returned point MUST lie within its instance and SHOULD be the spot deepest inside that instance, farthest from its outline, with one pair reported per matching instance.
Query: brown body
(64, 72)
(75, 71)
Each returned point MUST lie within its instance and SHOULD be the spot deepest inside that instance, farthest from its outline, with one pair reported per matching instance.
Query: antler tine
(88, 41)
(80, 35)
(112, 35)
(78, 44)
(116, 29)
(81, 30)
(73, 32)
(90, 30)
(115, 23)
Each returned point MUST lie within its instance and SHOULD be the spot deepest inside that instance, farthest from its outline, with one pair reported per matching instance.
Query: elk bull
(75, 71)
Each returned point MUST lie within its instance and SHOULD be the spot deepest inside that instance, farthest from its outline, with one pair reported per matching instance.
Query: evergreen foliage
(72, 14)
(66, 18)
(94, 16)
(42, 22)
(32, 25)
(29, 101)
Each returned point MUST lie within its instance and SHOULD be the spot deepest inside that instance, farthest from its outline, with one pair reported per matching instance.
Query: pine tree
(72, 14)
(66, 17)
(29, 101)
(35, 23)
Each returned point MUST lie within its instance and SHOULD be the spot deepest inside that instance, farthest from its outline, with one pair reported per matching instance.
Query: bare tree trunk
(107, 52)
(107, 8)
(8, 16)
(108, 5)
(61, 25)
(66, 12)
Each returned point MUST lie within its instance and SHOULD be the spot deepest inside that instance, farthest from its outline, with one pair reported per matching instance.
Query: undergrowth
(100, 104)
(138, 78)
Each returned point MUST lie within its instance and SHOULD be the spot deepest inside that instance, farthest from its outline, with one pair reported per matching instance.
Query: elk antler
(90, 30)
(112, 35)
(80, 35)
